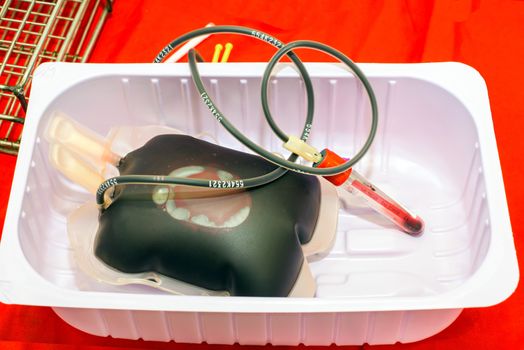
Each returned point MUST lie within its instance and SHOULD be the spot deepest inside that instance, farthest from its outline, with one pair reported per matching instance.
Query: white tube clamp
(298, 146)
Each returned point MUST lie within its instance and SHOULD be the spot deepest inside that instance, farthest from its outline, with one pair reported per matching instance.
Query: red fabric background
(487, 35)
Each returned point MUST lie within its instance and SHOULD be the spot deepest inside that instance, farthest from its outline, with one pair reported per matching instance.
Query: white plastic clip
(298, 146)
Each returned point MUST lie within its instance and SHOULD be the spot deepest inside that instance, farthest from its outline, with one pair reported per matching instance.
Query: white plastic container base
(435, 151)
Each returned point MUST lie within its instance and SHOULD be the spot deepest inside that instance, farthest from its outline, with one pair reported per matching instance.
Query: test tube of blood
(384, 204)
(355, 183)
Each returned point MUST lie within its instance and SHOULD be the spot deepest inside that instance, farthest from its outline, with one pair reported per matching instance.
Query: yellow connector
(227, 52)
(216, 54)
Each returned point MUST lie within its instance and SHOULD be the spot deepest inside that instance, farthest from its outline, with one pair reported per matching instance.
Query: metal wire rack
(36, 31)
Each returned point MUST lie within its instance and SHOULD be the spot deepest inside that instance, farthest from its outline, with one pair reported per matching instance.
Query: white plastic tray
(435, 151)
